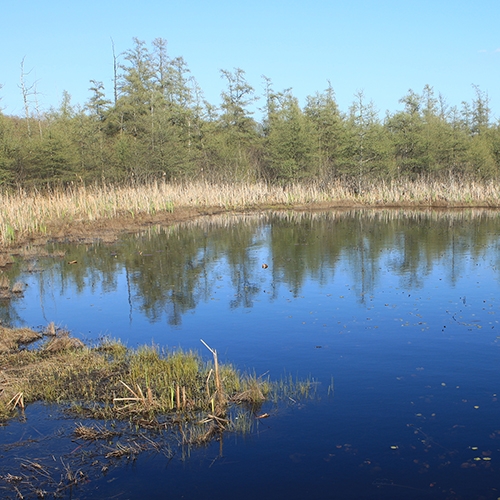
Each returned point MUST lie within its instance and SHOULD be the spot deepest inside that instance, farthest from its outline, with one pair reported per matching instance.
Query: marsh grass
(24, 214)
(12, 338)
(147, 386)
(93, 432)
(131, 401)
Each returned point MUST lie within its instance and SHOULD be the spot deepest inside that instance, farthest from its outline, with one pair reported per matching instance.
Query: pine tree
(329, 129)
(290, 140)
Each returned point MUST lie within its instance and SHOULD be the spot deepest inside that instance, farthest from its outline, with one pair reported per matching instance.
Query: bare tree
(29, 91)
(115, 73)
(26, 91)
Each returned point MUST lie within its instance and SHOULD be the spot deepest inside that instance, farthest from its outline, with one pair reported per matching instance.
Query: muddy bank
(109, 229)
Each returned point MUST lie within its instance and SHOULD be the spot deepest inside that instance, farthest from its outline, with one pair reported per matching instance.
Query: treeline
(158, 126)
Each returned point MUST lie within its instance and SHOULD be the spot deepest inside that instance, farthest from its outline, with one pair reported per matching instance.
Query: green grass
(130, 401)
(143, 385)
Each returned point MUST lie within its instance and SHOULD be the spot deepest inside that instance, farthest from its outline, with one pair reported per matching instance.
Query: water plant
(34, 213)
(144, 385)
(130, 401)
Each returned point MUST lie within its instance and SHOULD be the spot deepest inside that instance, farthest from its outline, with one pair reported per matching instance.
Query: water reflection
(399, 307)
(169, 271)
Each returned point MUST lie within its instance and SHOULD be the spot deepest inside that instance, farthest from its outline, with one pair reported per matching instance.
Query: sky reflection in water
(400, 308)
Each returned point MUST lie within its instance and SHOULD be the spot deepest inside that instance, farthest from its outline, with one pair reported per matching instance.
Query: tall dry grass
(24, 214)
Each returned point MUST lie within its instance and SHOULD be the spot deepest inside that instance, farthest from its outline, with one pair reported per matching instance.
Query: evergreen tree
(290, 140)
(366, 147)
(480, 112)
(55, 154)
(7, 156)
(174, 144)
(98, 106)
(160, 126)
(238, 139)
(407, 133)
(329, 129)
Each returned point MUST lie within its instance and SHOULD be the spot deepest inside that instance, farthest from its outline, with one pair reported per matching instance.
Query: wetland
(378, 327)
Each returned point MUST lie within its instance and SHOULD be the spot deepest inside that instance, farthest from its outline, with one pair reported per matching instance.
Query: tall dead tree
(26, 91)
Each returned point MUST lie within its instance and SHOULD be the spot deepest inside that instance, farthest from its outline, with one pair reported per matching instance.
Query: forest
(157, 125)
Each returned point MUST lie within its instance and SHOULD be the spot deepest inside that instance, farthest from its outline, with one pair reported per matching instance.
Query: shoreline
(108, 229)
(80, 213)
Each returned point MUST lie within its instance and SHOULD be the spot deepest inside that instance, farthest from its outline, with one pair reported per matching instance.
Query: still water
(399, 308)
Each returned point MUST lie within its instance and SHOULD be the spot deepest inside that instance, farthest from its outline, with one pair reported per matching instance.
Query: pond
(393, 314)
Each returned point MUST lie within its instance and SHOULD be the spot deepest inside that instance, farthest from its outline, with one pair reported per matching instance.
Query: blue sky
(381, 47)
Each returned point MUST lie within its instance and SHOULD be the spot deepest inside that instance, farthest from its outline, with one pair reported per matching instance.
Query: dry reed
(12, 338)
(93, 433)
(25, 214)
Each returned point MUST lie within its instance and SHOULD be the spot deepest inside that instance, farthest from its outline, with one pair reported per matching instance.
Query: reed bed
(24, 214)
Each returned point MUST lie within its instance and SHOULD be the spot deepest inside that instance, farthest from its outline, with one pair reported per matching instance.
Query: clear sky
(383, 47)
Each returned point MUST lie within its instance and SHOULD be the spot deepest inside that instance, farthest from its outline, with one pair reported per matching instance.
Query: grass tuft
(146, 386)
